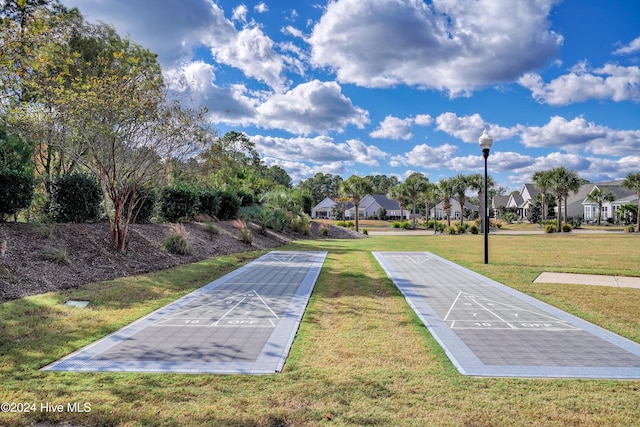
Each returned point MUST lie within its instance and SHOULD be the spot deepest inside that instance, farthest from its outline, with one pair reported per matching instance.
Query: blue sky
(398, 86)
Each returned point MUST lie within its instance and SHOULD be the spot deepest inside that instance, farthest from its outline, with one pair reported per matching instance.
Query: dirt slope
(42, 258)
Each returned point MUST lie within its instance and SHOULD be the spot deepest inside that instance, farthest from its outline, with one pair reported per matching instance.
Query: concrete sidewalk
(589, 279)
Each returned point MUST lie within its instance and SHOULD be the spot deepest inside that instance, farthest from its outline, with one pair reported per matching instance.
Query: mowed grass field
(361, 356)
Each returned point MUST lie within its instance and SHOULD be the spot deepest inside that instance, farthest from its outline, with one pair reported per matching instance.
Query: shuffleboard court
(489, 329)
(243, 322)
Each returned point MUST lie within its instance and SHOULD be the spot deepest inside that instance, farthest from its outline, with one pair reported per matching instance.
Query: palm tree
(398, 194)
(563, 181)
(445, 187)
(632, 182)
(414, 185)
(460, 186)
(476, 183)
(430, 195)
(542, 181)
(355, 188)
(600, 197)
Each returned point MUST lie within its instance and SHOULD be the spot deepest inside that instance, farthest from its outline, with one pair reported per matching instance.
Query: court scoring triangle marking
(473, 312)
(246, 309)
(414, 259)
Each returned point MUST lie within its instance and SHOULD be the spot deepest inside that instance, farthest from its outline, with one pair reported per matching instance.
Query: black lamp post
(485, 144)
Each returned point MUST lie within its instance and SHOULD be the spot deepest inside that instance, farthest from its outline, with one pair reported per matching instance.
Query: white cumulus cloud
(451, 46)
(611, 81)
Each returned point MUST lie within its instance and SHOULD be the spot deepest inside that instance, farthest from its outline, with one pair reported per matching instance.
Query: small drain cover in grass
(77, 304)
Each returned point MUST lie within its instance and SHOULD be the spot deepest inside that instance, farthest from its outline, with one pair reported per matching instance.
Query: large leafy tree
(35, 35)
(322, 185)
(355, 188)
(380, 184)
(97, 101)
(632, 182)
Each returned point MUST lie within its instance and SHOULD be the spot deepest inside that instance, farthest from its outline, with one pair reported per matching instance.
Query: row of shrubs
(551, 226)
(441, 227)
(78, 198)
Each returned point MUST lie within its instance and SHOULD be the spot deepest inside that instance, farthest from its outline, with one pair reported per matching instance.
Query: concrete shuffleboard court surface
(243, 322)
(489, 329)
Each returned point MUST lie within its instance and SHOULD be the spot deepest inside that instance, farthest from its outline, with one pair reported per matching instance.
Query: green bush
(405, 224)
(278, 219)
(549, 228)
(16, 192)
(365, 231)
(246, 198)
(474, 229)
(300, 223)
(350, 224)
(566, 228)
(462, 228)
(630, 228)
(229, 206)
(395, 224)
(341, 224)
(179, 203)
(209, 202)
(575, 222)
(76, 198)
(449, 230)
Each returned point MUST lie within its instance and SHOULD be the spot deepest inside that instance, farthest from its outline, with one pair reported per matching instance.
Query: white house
(323, 209)
(368, 207)
(621, 197)
(577, 205)
(371, 204)
(523, 201)
(438, 212)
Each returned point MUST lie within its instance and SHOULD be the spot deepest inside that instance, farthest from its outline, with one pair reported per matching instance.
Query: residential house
(621, 196)
(323, 209)
(438, 212)
(577, 205)
(523, 201)
(368, 207)
(498, 203)
(371, 204)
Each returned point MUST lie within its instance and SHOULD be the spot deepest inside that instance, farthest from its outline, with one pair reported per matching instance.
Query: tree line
(77, 97)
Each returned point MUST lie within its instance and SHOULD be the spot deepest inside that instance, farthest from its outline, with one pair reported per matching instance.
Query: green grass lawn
(361, 356)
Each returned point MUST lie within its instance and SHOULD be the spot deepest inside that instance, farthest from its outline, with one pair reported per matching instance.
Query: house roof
(380, 199)
(455, 202)
(499, 201)
(616, 188)
(531, 189)
(326, 203)
(385, 202)
(515, 200)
